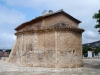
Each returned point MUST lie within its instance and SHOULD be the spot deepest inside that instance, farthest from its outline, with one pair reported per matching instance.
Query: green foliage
(97, 50)
(87, 48)
(7, 51)
(85, 51)
(97, 17)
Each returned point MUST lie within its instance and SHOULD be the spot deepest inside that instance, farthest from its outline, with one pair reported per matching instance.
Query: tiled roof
(59, 25)
(47, 15)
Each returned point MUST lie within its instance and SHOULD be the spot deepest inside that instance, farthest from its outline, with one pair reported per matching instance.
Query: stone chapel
(52, 40)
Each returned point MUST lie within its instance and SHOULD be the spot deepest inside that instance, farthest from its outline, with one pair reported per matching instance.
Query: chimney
(61, 10)
(50, 11)
(44, 13)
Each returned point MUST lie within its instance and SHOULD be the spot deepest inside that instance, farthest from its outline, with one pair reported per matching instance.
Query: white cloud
(55, 4)
(90, 36)
(8, 35)
(7, 40)
(26, 3)
(10, 16)
(9, 19)
(80, 9)
(88, 40)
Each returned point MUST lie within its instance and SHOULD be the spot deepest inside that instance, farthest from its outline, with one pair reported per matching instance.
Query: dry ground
(91, 67)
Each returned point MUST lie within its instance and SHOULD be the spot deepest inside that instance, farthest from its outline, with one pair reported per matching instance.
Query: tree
(97, 50)
(85, 50)
(97, 17)
(8, 51)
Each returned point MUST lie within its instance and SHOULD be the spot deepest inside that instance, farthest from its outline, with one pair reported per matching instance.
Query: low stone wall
(91, 57)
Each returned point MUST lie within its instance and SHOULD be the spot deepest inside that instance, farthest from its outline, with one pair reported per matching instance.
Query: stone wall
(33, 25)
(57, 48)
(69, 49)
(48, 48)
(59, 18)
(50, 21)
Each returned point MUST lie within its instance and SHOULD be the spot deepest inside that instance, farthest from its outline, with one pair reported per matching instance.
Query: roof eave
(78, 21)
(41, 17)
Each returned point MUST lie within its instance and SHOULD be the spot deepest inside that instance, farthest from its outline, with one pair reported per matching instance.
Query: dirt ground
(91, 67)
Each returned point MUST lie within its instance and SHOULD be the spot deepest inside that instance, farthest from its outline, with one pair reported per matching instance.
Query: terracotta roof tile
(59, 25)
(47, 15)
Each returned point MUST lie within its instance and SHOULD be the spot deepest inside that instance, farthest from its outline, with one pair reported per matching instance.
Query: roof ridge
(53, 13)
(59, 25)
(42, 17)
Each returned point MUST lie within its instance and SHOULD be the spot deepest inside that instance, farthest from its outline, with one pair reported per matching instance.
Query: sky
(15, 12)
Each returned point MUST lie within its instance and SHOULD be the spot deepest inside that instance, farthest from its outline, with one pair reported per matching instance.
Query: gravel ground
(91, 67)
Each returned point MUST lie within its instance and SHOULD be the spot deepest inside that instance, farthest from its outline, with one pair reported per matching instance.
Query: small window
(73, 51)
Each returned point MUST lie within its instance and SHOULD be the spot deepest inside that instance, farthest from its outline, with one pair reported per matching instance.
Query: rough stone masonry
(52, 40)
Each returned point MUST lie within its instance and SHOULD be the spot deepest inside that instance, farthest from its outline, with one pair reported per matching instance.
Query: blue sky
(15, 12)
